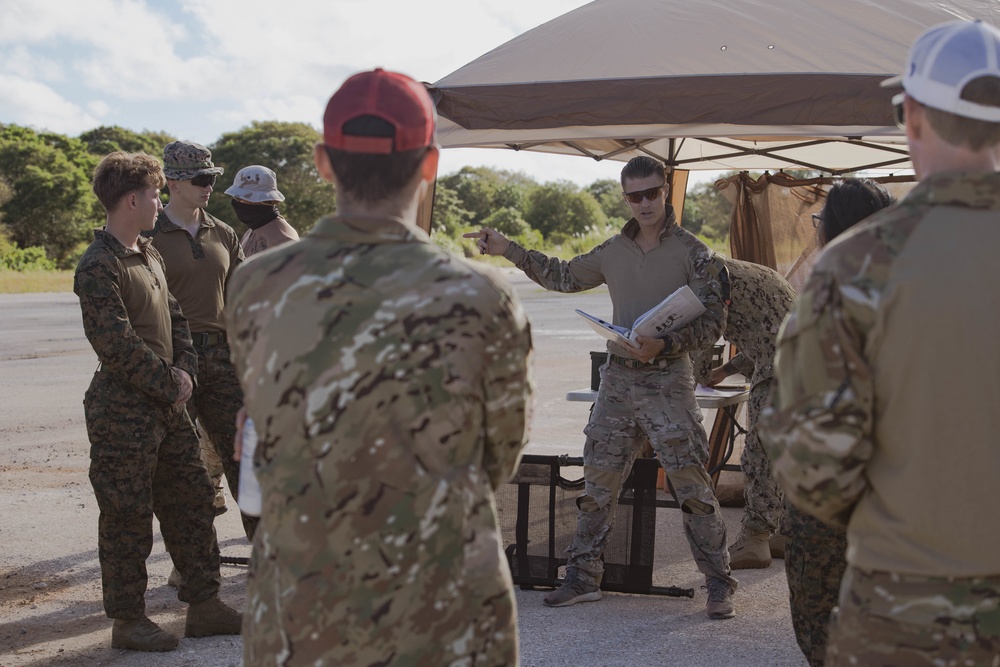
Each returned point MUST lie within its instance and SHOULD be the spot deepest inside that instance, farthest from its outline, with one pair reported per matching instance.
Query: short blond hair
(120, 173)
(970, 132)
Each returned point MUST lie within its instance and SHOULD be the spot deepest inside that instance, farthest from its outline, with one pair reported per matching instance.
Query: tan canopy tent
(708, 84)
(704, 84)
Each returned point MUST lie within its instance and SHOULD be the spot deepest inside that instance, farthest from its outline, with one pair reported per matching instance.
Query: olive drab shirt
(638, 281)
(133, 323)
(388, 381)
(760, 298)
(885, 412)
(199, 268)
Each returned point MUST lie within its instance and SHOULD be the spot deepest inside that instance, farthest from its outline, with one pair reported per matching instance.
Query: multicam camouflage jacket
(638, 281)
(881, 373)
(130, 318)
(759, 301)
(389, 385)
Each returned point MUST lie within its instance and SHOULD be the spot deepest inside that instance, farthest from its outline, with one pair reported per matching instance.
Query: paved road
(50, 610)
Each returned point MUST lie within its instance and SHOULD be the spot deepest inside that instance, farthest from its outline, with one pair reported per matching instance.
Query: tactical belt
(208, 339)
(655, 362)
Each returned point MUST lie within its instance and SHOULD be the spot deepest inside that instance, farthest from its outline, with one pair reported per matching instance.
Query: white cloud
(22, 62)
(213, 66)
(296, 108)
(36, 105)
(98, 108)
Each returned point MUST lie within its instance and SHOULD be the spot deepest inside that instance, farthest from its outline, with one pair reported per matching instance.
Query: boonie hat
(395, 98)
(946, 57)
(183, 160)
(255, 184)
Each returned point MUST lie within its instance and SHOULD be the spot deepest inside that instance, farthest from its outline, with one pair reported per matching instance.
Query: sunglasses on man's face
(203, 180)
(898, 114)
(650, 194)
(817, 220)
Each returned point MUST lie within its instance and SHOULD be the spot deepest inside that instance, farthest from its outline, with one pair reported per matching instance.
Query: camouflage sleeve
(120, 350)
(580, 273)
(817, 429)
(742, 364)
(701, 362)
(706, 282)
(185, 357)
(508, 389)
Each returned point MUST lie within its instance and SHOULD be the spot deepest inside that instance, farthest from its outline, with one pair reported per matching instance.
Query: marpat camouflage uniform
(760, 300)
(882, 419)
(814, 563)
(388, 382)
(144, 452)
(653, 403)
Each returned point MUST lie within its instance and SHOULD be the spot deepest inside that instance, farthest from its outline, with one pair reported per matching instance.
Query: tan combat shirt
(638, 281)
(272, 234)
(198, 269)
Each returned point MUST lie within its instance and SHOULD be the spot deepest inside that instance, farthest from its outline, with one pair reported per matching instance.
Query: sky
(197, 69)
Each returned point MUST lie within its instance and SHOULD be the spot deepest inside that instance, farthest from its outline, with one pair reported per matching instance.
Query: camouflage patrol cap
(183, 160)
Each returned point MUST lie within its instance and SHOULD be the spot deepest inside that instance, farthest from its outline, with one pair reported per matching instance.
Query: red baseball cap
(393, 97)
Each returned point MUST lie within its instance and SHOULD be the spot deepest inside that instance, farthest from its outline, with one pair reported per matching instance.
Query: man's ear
(913, 111)
(132, 200)
(322, 162)
(429, 167)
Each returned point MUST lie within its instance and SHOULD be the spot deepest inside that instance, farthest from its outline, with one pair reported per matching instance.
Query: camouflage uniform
(652, 403)
(388, 381)
(894, 619)
(144, 452)
(760, 300)
(868, 426)
(814, 564)
(218, 395)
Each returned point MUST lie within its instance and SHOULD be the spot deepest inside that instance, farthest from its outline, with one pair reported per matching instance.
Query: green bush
(24, 259)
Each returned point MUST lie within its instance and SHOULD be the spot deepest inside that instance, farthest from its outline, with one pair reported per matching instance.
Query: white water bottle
(249, 500)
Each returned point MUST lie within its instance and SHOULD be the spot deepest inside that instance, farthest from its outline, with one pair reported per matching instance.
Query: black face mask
(254, 216)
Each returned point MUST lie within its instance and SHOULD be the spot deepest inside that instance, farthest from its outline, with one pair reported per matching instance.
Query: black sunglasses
(203, 180)
(898, 114)
(817, 220)
(650, 194)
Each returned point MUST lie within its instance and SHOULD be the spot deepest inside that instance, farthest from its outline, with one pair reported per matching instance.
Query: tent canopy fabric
(700, 84)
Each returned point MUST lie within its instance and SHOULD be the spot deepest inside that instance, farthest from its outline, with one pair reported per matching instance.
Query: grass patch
(22, 282)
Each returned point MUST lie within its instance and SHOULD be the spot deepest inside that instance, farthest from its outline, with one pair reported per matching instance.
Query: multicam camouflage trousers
(144, 461)
(636, 406)
(764, 500)
(214, 404)
(814, 562)
(903, 620)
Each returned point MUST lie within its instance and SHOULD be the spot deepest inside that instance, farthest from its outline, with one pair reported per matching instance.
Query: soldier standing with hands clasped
(144, 450)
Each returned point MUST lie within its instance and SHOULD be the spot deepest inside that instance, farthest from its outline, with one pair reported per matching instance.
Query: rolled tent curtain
(678, 190)
(771, 220)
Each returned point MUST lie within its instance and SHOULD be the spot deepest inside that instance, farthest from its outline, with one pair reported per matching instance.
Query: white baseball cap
(946, 57)
(255, 184)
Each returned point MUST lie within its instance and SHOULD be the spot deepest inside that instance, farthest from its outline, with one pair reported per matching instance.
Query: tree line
(48, 211)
